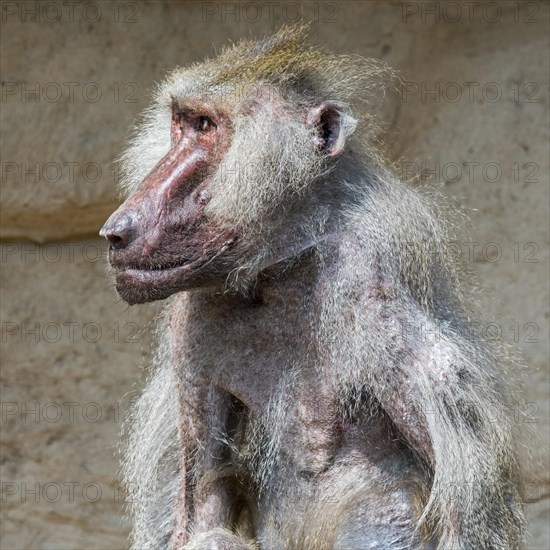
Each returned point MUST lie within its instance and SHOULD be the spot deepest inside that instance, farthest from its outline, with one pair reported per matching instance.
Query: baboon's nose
(119, 230)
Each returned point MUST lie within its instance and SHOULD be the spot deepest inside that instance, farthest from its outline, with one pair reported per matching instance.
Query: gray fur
(390, 321)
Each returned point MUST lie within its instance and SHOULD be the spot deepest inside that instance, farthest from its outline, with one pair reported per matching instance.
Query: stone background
(473, 118)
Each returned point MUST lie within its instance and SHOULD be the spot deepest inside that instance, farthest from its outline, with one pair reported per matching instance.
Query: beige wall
(70, 89)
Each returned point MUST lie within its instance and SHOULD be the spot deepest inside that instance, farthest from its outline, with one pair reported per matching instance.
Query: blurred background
(472, 118)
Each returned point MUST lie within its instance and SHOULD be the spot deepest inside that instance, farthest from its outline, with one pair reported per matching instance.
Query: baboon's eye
(204, 124)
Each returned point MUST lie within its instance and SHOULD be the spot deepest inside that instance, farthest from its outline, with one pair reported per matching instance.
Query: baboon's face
(178, 232)
(161, 240)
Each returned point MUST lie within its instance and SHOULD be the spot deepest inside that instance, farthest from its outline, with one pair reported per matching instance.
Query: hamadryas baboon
(316, 385)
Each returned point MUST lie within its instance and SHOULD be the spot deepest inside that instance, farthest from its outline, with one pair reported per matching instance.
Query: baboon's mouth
(158, 276)
(151, 268)
(139, 283)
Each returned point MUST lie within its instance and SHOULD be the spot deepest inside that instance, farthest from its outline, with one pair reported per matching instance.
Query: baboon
(316, 383)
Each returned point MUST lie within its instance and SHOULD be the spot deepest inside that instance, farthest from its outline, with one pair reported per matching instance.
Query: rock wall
(472, 117)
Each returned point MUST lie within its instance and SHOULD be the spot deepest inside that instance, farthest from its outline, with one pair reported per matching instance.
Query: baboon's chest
(252, 348)
(266, 353)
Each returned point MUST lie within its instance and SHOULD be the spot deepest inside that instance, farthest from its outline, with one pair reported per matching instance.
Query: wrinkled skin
(161, 241)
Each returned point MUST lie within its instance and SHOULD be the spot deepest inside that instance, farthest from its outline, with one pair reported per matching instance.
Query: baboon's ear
(332, 125)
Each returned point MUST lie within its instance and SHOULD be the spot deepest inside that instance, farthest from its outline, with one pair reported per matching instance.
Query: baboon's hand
(219, 539)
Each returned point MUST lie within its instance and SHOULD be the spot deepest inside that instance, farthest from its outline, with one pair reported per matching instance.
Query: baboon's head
(222, 159)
